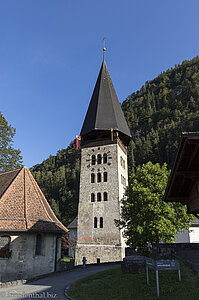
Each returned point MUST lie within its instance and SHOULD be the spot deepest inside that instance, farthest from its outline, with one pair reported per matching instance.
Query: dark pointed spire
(104, 112)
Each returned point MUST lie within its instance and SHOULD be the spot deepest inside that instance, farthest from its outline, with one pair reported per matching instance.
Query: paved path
(51, 287)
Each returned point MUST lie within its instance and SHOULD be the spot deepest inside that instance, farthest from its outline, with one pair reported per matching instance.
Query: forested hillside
(58, 177)
(160, 111)
(156, 115)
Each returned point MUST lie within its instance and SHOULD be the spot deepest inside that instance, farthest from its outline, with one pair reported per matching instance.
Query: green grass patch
(67, 259)
(115, 285)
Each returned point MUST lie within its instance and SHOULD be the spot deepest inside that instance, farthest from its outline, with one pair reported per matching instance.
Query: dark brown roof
(6, 179)
(23, 206)
(73, 224)
(185, 171)
(104, 111)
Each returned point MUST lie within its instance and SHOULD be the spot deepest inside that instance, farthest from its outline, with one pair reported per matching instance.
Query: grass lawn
(112, 284)
(67, 259)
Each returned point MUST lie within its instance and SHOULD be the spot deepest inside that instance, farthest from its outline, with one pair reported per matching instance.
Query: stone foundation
(106, 253)
(134, 264)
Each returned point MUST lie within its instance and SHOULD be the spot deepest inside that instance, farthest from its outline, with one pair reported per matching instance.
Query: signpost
(163, 264)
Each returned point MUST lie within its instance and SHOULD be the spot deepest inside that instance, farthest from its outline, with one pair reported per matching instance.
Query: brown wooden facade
(183, 185)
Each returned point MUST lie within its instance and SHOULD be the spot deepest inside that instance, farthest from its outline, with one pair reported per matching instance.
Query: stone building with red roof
(30, 233)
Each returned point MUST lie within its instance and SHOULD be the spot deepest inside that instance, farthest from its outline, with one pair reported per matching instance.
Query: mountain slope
(58, 178)
(160, 111)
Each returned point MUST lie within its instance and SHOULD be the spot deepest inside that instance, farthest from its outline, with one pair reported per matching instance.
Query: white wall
(188, 237)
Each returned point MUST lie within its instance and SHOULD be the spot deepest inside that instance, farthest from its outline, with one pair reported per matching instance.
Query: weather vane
(104, 49)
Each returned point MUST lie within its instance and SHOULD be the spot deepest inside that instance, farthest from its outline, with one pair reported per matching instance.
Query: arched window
(99, 177)
(5, 242)
(38, 246)
(105, 177)
(93, 160)
(92, 197)
(105, 158)
(92, 178)
(99, 159)
(95, 222)
(99, 198)
(101, 222)
(105, 196)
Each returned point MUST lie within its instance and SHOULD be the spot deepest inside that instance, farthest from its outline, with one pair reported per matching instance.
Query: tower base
(106, 253)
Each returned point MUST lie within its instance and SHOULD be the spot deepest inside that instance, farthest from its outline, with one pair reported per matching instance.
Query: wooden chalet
(183, 185)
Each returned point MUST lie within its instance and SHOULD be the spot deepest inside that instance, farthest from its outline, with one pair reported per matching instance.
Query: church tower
(104, 175)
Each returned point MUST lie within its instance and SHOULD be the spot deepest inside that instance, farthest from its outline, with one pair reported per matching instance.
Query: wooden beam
(188, 172)
(193, 205)
(179, 199)
(193, 156)
(181, 185)
(193, 141)
(177, 162)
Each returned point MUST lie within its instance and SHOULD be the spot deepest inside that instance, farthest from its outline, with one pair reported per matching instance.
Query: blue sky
(51, 53)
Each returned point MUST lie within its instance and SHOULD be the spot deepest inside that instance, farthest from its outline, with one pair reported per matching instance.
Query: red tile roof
(23, 207)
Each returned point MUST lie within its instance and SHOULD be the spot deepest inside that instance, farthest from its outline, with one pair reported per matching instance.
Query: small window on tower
(92, 178)
(99, 159)
(105, 177)
(105, 196)
(99, 197)
(92, 197)
(95, 222)
(105, 158)
(99, 177)
(93, 160)
(101, 222)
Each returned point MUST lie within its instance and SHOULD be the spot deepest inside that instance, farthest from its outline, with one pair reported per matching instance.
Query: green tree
(10, 158)
(145, 217)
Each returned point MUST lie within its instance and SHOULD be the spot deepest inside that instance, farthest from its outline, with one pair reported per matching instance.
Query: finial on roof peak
(104, 49)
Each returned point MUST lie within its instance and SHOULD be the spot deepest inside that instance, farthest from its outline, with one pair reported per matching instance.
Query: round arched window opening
(101, 222)
(99, 177)
(93, 160)
(92, 197)
(105, 196)
(99, 159)
(95, 222)
(99, 198)
(105, 177)
(92, 178)
(105, 158)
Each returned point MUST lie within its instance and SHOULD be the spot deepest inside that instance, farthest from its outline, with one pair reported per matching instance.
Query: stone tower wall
(105, 243)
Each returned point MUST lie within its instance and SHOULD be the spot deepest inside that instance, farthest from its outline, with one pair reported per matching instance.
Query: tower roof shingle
(104, 111)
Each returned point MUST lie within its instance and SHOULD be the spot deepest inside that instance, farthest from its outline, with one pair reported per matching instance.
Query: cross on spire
(104, 49)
